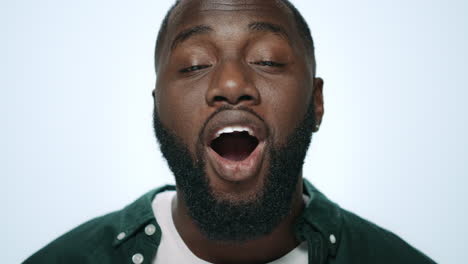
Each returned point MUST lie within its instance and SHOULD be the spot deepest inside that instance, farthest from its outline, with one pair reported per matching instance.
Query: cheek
(288, 102)
(181, 110)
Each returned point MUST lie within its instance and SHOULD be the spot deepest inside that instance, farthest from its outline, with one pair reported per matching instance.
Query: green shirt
(132, 235)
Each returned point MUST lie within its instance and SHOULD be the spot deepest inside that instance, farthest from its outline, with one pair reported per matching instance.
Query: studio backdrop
(76, 137)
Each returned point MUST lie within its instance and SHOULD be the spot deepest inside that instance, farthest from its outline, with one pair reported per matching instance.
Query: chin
(239, 192)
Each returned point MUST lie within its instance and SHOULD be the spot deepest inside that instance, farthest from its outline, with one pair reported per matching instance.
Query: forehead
(229, 14)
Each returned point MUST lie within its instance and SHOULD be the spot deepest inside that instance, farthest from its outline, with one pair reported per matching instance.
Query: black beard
(227, 221)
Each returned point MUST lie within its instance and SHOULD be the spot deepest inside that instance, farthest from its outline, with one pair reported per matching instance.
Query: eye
(193, 68)
(269, 64)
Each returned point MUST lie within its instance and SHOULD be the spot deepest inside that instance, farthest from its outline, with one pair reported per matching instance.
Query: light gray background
(76, 137)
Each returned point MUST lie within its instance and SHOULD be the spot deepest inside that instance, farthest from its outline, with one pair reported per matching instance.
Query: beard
(237, 221)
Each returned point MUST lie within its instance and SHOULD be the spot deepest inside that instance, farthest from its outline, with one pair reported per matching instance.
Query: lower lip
(237, 171)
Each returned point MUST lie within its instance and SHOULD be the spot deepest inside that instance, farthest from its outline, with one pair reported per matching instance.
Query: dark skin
(231, 60)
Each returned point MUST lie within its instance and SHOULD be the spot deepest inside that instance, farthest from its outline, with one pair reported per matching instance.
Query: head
(236, 103)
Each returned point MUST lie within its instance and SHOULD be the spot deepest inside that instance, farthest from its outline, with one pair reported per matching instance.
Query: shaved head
(301, 25)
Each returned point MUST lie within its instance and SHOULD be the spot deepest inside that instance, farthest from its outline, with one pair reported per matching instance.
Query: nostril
(242, 98)
(219, 98)
(245, 98)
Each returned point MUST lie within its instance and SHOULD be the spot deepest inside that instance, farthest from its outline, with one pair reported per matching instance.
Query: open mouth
(234, 144)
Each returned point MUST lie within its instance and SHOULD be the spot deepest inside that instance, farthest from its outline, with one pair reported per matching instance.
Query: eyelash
(261, 63)
(194, 68)
(269, 64)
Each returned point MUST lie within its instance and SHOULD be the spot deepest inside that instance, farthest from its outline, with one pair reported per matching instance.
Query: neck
(260, 250)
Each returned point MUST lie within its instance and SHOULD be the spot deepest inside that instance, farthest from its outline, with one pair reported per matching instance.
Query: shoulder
(101, 240)
(369, 242)
(352, 239)
(81, 243)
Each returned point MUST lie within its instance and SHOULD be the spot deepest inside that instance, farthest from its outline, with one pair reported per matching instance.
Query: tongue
(235, 146)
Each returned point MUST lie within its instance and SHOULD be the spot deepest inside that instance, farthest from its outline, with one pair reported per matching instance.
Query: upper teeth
(232, 129)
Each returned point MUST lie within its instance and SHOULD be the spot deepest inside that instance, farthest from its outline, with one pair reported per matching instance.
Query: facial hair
(228, 221)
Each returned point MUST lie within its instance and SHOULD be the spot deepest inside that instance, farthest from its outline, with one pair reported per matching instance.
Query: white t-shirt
(172, 248)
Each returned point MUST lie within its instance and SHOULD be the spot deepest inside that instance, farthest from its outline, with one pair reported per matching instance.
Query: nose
(232, 84)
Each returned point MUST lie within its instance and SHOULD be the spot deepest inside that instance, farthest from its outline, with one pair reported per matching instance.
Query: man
(236, 103)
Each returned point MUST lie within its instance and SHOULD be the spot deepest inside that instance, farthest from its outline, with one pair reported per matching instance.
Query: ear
(155, 99)
(317, 98)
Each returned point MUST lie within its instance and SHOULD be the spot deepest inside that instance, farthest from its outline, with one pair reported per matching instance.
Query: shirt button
(332, 239)
(150, 229)
(121, 236)
(137, 258)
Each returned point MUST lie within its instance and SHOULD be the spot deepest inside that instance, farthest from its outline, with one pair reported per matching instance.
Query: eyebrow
(188, 33)
(269, 27)
(204, 29)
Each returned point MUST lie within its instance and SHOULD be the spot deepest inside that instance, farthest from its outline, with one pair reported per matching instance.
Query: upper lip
(234, 118)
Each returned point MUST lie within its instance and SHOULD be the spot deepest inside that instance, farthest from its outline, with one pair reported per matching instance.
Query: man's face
(235, 97)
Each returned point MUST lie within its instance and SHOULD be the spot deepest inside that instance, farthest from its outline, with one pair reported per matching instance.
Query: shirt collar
(323, 216)
(320, 214)
(134, 216)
